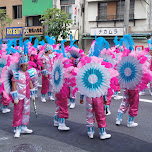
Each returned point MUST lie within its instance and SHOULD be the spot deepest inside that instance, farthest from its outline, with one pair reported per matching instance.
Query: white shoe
(39, 85)
(69, 104)
(109, 113)
(5, 110)
(63, 127)
(17, 133)
(72, 105)
(43, 99)
(56, 124)
(51, 98)
(132, 124)
(105, 136)
(117, 98)
(141, 93)
(26, 130)
(118, 122)
(90, 135)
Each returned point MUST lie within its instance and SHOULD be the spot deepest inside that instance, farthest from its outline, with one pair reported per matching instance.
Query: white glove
(33, 98)
(16, 101)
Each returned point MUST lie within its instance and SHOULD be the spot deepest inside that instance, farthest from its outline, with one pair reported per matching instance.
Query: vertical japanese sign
(75, 16)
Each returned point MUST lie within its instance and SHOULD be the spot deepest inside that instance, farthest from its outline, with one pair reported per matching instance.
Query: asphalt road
(47, 138)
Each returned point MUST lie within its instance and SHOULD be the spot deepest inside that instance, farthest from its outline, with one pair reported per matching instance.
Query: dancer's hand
(33, 98)
(16, 101)
(105, 102)
(46, 76)
(81, 101)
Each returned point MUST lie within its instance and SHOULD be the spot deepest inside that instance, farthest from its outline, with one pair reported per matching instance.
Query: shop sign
(75, 16)
(139, 47)
(14, 31)
(106, 32)
(34, 30)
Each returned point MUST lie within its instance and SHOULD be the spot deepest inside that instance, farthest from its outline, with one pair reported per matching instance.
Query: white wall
(92, 11)
(141, 8)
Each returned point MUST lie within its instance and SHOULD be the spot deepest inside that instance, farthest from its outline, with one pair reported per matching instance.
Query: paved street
(47, 138)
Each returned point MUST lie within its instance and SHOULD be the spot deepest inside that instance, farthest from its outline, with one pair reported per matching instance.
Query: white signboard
(106, 32)
(75, 16)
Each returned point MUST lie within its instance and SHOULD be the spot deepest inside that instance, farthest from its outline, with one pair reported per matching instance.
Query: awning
(112, 38)
(27, 36)
(11, 39)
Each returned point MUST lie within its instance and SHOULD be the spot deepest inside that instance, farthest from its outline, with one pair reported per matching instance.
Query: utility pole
(126, 16)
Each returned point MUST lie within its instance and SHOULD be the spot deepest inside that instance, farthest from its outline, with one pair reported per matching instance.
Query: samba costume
(94, 80)
(62, 71)
(133, 77)
(74, 54)
(20, 89)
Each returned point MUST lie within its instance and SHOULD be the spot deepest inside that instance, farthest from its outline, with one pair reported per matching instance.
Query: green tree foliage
(58, 23)
(4, 20)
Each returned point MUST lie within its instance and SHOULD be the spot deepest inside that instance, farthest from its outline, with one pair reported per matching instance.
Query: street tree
(58, 23)
(4, 21)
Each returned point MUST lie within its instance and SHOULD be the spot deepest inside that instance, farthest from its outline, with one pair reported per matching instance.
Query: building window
(17, 11)
(121, 9)
(33, 21)
(4, 8)
(68, 10)
(67, 2)
(102, 14)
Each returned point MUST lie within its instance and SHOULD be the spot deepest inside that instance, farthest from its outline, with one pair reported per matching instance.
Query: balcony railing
(113, 17)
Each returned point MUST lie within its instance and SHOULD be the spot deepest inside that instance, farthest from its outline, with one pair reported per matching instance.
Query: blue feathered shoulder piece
(9, 46)
(100, 44)
(50, 40)
(30, 39)
(42, 42)
(36, 43)
(128, 42)
(150, 43)
(62, 47)
(72, 42)
(14, 42)
(26, 47)
(21, 42)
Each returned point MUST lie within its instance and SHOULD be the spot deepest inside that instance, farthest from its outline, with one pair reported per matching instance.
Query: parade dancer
(22, 88)
(46, 74)
(94, 81)
(61, 73)
(133, 76)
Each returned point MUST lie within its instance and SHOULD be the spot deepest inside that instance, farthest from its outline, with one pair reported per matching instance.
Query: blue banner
(14, 31)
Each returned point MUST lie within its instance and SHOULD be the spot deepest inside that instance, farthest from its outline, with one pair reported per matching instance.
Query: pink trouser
(95, 107)
(118, 87)
(46, 85)
(108, 100)
(21, 113)
(131, 101)
(61, 106)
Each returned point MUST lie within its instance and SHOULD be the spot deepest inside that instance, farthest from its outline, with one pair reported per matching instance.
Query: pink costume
(95, 106)
(22, 109)
(47, 82)
(61, 102)
(131, 101)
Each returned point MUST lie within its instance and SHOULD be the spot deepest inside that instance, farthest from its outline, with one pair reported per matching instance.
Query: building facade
(106, 18)
(14, 11)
